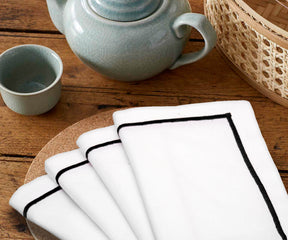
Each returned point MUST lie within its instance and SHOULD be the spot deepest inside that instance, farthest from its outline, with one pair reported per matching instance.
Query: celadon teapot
(130, 40)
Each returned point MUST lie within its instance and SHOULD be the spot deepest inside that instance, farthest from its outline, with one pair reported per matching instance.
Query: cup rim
(57, 79)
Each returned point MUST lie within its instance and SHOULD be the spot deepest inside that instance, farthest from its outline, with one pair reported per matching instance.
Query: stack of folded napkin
(191, 172)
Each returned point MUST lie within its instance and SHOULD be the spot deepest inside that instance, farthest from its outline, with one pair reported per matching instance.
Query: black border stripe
(60, 173)
(35, 201)
(172, 120)
(101, 145)
(257, 179)
(246, 159)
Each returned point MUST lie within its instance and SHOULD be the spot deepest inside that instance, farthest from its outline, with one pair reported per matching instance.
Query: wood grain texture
(256, 49)
(65, 141)
(12, 173)
(33, 16)
(29, 15)
(275, 11)
(86, 93)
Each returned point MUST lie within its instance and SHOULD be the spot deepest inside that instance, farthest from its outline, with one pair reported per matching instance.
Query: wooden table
(86, 93)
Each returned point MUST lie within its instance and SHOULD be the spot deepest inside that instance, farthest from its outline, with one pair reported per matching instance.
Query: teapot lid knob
(124, 10)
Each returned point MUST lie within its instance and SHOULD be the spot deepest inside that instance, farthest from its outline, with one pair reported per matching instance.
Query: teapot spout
(56, 9)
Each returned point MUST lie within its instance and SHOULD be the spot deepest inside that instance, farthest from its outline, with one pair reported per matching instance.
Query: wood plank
(33, 15)
(12, 224)
(191, 77)
(25, 16)
(85, 93)
(271, 10)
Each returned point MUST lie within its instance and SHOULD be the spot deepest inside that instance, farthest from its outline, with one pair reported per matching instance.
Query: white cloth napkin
(78, 179)
(45, 204)
(205, 172)
(103, 149)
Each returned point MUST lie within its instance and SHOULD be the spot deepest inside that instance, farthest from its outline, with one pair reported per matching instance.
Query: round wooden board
(63, 142)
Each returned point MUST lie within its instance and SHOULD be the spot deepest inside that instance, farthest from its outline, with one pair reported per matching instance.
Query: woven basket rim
(255, 52)
(263, 22)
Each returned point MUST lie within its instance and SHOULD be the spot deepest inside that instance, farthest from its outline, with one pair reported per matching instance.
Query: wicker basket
(253, 36)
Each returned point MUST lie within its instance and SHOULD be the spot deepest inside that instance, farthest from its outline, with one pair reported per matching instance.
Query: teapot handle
(200, 23)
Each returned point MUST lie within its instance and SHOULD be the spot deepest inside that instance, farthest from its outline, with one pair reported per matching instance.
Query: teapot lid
(124, 10)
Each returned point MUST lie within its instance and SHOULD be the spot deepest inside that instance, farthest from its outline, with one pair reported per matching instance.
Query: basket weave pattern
(255, 55)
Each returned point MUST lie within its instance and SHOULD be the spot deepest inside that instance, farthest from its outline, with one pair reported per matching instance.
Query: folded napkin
(103, 149)
(78, 179)
(205, 172)
(45, 204)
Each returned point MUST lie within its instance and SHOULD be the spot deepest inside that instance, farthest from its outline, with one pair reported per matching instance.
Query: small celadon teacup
(30, 79)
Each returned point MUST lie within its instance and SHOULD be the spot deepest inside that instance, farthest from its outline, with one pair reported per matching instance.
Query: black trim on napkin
(60, 173)
(247, 161)
(42, 197)
(172, 120)
(101, 145)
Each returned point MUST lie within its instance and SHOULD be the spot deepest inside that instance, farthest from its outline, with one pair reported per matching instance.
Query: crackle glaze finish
(30, 79)
(125, 50)
(124, 10)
